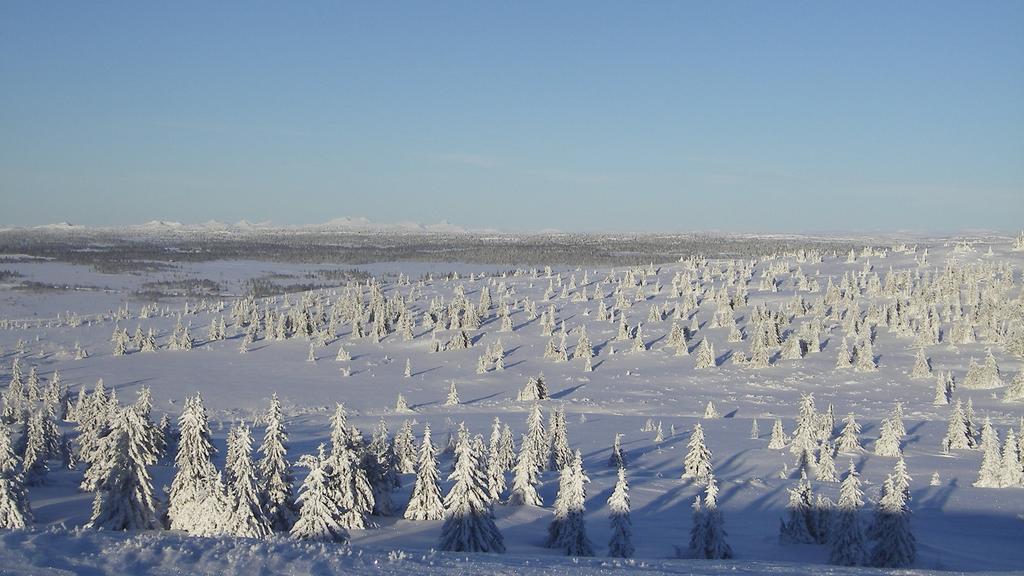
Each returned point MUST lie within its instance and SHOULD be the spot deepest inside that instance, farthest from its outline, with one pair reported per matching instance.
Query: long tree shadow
(481, 399)
(428, 370)
(563, 393)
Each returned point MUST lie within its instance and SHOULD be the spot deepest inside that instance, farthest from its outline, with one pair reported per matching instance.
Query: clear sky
(670, 116)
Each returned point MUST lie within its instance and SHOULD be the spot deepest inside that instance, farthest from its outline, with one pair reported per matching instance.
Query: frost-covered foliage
(468, 519)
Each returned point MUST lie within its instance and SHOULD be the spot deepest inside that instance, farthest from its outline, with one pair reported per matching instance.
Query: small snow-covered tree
(697, 463)
(468, 525)
(826, 468)
(779, 438)
(705, 355)
(453, 395)
(801, 523)
(620, 545)
(560, 455)
(618, 457)
(425, 502)
(848, 440)
(990, 475)
(958, 436)
(922, 366)
(888, 444)
(1012, 468)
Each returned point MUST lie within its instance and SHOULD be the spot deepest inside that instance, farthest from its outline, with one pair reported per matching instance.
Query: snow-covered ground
(958, 526)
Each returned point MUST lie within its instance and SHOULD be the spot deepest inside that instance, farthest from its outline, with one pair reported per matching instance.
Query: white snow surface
(958, 527)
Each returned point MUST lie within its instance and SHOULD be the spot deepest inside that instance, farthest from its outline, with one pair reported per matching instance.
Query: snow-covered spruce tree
(495, 463)
(806, 433)
(379, 463)
(618, 456)
(848, 441)
(535, 389)
(14, 505)
(825, 471)
(560, 455)
(468, 525)
(1012, 468)
(526, 477)
(404, 448)
(697, 463)
(847, 537)
(865, 357)
(958, 435)
(351, 489)
(36, 454)
(779, 438)
(755, 432)
(922, 366)
(801, 523)
(894, 543)
(990, 475)
(568, 529)
(195, 489)
(707, 537)
(275, 473)
(943, 391)
(843, 355)
(453, 395)
(319, 513)
(620, 545)
(247, 517)
(710, 412)
(425, 502)
(705, 355)
(124, 497)
(1015, 391)
(888, 444)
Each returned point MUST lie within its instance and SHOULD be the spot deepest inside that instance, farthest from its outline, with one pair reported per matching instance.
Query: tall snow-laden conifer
(425, 502)
(620, 545)
(568, 529)
(697, 463)
(469, 525)
(275, 472)
(319, 513)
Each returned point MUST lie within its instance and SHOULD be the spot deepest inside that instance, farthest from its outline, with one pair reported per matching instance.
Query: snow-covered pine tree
(124, 497)
(618, 456)
(826, 468)
(779, 438)
(1015, 391)
(425, 502)
(705, 355)
(1012, 468)
(350, 487)
(246, 517)
(958, 435)
(922, 366)
(560, 455)
(193, 504)
(379, 463)
(36, 453)
(888, 444)
(990, 474)
(755, 432)
(708, 533)
(620, 545)
(275, 473)
(865, 357)
(801, 523)
(843, 355)
(848, 441)
(697, 463)
(404, 448)
(453, 395)
(14, 505)
(320, 514)
(894, 543)
(806, 433)
(468, 525)
(568, 529)
(847, 537)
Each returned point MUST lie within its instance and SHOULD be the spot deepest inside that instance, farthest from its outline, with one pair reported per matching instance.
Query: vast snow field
(958, 526)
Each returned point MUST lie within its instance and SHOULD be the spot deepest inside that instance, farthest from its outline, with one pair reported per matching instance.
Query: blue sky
(669, 116)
